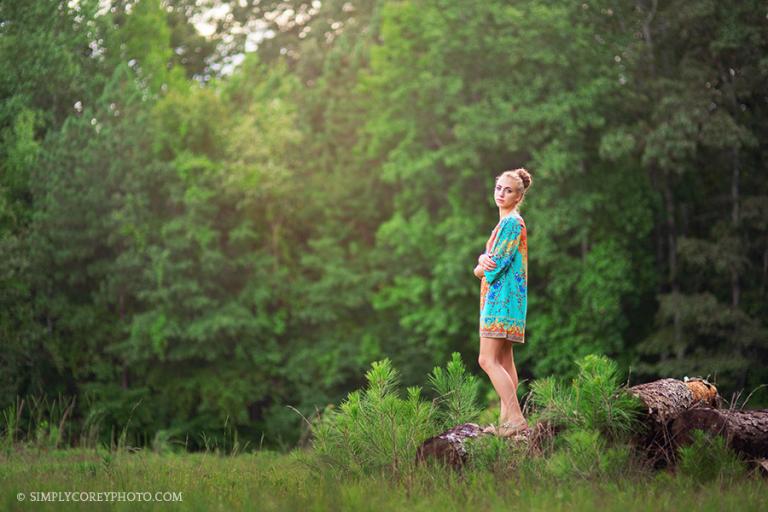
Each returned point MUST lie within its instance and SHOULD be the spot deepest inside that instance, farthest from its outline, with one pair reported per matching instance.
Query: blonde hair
(521, 176)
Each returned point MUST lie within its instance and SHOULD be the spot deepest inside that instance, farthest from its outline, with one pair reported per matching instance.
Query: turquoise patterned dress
(504, 290)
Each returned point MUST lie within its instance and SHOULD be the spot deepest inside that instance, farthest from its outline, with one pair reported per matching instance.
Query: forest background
(204, 224)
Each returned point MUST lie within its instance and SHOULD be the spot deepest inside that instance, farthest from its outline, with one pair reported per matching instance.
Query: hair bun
(525, 177)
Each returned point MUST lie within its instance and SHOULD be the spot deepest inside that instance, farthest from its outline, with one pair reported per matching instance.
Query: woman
(503, 270)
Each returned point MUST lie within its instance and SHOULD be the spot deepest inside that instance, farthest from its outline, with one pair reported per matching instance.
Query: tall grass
(10, 423)
(39, 423)
(46, 422)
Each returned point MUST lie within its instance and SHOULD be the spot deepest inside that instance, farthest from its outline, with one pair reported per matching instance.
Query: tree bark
(667, 398)
(745, 431)
(449, 446)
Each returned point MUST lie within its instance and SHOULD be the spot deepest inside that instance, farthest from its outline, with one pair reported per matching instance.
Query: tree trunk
(671, 221)
(735, 286)
(667, 398)
(745, 431)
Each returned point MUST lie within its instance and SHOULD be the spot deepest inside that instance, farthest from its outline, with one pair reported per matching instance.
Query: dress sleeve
(503, 251)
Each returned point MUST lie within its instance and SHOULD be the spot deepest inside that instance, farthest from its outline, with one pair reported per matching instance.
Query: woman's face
(504, 193)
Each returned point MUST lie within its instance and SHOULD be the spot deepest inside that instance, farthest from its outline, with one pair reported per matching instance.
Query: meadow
(271, 481)
(360, 456)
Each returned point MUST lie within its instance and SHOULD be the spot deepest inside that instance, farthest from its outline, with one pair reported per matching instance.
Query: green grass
(268, 481)
(362, 457)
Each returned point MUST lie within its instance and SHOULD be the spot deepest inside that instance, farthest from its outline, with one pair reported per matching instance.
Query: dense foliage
(192, 239)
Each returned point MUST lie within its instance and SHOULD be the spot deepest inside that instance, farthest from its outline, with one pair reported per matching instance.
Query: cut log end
(702, 391)
(449, 446)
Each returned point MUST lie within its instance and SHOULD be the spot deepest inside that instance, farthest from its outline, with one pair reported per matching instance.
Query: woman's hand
(485, 262)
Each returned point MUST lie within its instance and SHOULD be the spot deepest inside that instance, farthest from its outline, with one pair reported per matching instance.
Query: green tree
(695, 74)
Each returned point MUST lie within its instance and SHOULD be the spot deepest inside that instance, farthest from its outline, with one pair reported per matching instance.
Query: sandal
(490, 429)
(512, 429)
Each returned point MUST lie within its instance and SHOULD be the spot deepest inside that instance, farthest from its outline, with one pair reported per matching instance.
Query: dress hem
(496, 334)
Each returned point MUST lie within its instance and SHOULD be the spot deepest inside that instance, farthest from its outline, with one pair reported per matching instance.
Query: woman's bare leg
(507, 361)
(490, 358)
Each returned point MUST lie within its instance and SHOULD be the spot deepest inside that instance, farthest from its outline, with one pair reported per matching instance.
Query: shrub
(457, 392)
(708, 458)
(594, 401)
(374, 428)
(583, 453)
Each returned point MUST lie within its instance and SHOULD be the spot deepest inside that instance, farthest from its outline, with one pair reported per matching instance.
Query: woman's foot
(512, 428)
(507, 429)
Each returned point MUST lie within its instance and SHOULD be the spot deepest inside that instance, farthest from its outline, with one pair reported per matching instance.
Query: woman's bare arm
(484, 263)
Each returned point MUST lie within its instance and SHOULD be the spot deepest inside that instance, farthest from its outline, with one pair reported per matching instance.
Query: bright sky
(201, 22)
(256, 30)
(205, 24)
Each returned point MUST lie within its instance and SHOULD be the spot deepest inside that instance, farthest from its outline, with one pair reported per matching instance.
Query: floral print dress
(504, 290)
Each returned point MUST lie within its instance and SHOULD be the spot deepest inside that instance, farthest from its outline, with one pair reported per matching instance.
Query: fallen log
(449, 447)
(667, 398)
(745, 431)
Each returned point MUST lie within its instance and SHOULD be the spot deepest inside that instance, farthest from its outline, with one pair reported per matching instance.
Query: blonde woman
(503, 271)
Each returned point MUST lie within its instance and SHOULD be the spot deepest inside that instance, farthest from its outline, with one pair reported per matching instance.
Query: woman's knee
(489, 353)
(486, 362)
